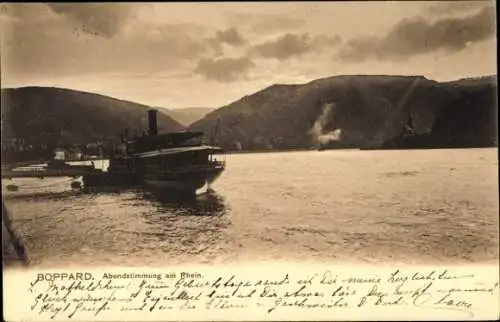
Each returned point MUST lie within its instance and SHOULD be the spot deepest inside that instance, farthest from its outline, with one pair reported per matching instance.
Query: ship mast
(402, 104)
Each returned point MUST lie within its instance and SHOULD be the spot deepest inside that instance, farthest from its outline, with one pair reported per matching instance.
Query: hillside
(358, 111)
(187, 115)
(470, 120)
(42, 115)
(340, 111)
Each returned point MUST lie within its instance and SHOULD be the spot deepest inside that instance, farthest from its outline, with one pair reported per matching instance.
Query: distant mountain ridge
(48, 114)
(339, 111)
(358, 111)
(187, 115)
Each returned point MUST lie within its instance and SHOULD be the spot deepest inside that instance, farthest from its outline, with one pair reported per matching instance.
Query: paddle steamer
(179, 161)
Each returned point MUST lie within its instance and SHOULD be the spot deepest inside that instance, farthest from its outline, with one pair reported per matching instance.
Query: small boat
(178, 161)
(56, 164)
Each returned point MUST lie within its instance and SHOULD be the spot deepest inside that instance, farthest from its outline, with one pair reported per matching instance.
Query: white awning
(178, 150)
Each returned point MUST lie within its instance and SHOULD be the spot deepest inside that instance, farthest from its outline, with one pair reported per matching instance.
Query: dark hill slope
(470, 120)
(187, 115)
(49, 115)
(367, 109)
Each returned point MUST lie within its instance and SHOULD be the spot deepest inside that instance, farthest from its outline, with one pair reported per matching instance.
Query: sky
(177, 55)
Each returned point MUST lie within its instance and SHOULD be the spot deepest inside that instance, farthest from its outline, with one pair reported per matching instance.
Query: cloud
(285, 46)
(231, 37)
(54, 48)
(271, 23)
(105, 19)
(42, 44)
(29, 12)
(451, 7)
(170, 41)
(266, 23)
(321, 42)
(224, 69)
(290, 45)
(418, 36)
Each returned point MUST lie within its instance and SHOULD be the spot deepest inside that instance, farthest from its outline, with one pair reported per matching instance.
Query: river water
(337, 206)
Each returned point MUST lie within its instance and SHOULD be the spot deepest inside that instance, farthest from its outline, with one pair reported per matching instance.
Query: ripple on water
(354, 206)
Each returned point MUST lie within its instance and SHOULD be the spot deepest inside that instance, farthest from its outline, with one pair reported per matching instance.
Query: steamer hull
(192, 180)
(173, 161)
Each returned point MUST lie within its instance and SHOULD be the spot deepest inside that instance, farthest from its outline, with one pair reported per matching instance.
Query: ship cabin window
(178, 160)
(193, 141)
(196, 158)
(164, 162)
(154, 163)
(201, 157)
(157, 163)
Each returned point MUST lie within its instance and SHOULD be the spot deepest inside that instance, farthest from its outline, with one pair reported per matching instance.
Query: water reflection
(208, 203)
(180, 225)
(45, 195)
(132, 225)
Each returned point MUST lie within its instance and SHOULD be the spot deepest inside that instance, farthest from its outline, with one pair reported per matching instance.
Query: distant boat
(178, 160)
(409, 128)
(57, 164)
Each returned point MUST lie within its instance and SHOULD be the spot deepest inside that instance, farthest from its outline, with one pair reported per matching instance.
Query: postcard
(250, 161)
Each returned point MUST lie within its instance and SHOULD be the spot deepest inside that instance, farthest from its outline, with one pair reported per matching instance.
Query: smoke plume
(317, 130)
(335, 135)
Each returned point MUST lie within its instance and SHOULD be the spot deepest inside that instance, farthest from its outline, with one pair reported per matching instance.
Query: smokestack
(153, 127)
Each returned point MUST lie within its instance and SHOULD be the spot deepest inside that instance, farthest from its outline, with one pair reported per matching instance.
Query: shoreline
(359, 149)
(13, 251)
(225, 152)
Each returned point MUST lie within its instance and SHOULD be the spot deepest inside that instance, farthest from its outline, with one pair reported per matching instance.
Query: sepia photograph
(339, 133)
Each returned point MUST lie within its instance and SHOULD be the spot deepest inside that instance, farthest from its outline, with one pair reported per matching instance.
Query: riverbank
(267, 151)
(12, 249)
